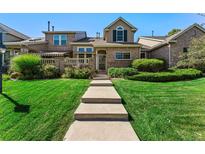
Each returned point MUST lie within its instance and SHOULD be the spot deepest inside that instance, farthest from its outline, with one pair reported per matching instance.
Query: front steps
(101, 112)
(101, 83)
(101, 131)
(101, 115)
(101, 77)
(101, 94)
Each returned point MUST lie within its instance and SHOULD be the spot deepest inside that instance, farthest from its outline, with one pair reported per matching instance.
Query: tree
(173, 31)
(195, 57)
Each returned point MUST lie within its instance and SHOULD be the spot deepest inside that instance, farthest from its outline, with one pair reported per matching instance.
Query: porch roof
(100, 42)
(53, 54)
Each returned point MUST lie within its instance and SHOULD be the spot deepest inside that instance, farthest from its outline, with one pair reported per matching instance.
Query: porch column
(77, 60)
(96, 60)
(84, 57)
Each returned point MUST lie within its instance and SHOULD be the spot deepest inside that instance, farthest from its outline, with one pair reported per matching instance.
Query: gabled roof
(13, 32)
(173, 38)
(154, 37)
(122, 19)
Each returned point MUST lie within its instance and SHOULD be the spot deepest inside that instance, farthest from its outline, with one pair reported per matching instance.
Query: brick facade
(176, 47)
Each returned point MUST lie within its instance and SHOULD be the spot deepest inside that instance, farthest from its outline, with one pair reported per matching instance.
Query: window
(56, 39)
(122, 56)
(185, 49)
(88, 55)
(81, 55)
(142, 55)
(63, 39)
(89, 49)
(119, 34)
(81, 49)
(85, 49)
(59, 40)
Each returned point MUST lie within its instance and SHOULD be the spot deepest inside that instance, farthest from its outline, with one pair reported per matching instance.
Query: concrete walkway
(101, 115)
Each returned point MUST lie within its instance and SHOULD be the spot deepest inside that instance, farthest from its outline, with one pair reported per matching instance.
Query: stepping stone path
(101, 115)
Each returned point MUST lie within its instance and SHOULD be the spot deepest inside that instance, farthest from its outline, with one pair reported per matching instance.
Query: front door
(102, 61)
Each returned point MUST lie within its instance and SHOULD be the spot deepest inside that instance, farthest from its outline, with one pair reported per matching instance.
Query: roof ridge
(15, 32)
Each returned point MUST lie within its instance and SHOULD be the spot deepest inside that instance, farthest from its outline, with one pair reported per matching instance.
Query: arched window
(120, 34)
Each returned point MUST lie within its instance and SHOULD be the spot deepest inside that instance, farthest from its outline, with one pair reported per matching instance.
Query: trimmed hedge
(121, 72)
(148, 65)
(173, 75)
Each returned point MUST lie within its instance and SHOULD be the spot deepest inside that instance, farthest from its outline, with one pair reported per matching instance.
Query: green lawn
(165, 111)
(39, 110)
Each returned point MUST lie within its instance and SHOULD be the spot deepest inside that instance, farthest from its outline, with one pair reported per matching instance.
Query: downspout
(169, 46)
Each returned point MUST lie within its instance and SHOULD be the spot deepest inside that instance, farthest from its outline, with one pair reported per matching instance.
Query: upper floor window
(120, 34)
(60, 40)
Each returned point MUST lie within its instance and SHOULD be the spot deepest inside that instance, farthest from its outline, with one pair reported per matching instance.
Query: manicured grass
(40, 109)
(165, 111)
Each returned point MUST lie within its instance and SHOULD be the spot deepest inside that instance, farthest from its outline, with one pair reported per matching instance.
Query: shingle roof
(156, 37)
(168, 39)
(13, 32)
(100, 42)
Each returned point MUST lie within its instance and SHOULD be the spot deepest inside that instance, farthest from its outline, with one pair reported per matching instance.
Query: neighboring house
(116, 49)
(8, 34)
(169, 48)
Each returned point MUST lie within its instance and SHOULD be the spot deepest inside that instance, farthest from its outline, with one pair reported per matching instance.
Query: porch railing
(76, 61)
(51, 61)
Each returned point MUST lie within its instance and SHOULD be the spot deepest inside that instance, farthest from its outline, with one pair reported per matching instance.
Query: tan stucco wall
(108, 34)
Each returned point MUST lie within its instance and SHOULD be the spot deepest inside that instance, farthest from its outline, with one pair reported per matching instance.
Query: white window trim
(59, 41)
(122, 33)
(85, 49)
(123, 52)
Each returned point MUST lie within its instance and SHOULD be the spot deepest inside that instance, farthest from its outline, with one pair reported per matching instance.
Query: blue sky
(34, 24)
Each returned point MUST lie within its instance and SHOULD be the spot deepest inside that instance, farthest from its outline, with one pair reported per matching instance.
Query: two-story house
(115, 49)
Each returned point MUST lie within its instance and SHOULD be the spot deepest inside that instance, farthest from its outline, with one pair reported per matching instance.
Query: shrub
(148, 65)
(16, 75)
(172, 75)
(28, 65)
(50, 71)
(5, 77)
(78, 73)
(121, 72)
(195, 57)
